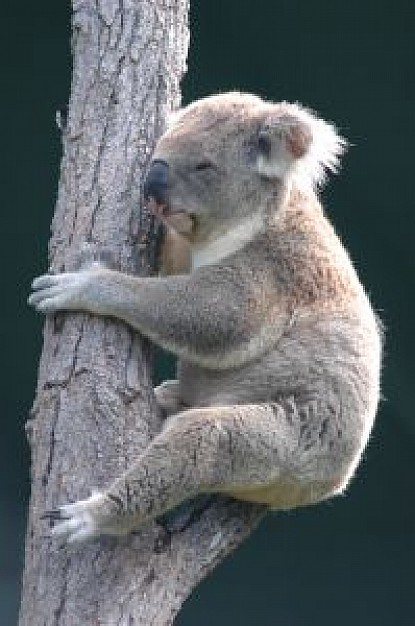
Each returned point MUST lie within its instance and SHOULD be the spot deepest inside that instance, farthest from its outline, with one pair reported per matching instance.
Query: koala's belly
(285, 494)
(264, 380)
(206, 387)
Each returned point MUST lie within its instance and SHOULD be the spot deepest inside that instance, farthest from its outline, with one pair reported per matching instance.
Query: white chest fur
(227, 243)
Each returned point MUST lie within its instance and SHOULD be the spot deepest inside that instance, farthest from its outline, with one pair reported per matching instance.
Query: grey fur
(279, 372)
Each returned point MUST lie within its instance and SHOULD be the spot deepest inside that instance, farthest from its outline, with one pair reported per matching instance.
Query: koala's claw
(53, 515)
(75, 522)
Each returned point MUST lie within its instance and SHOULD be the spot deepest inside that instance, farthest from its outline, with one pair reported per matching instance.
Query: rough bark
(94, 411)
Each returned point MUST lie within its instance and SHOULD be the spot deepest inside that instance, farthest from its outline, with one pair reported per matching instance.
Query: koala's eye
(205, 164)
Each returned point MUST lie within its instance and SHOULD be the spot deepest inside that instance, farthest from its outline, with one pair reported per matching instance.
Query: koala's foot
(168, 397)
(86, 519)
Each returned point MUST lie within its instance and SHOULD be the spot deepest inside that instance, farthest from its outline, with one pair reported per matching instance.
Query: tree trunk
(94, 411)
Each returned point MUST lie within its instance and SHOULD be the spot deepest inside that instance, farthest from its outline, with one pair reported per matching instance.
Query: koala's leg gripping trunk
(279, 454)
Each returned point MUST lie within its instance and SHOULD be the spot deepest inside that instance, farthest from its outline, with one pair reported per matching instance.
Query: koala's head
(224, 158)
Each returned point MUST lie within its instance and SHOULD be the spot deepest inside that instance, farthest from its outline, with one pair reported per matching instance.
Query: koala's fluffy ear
(281, 141)
(295, 142)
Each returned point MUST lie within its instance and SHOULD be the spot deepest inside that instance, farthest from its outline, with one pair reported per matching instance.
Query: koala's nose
(156, 183)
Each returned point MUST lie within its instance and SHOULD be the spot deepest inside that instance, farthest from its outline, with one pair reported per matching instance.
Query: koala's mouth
(177, 219)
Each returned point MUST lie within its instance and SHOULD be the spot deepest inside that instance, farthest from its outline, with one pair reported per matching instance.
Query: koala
(279, 349)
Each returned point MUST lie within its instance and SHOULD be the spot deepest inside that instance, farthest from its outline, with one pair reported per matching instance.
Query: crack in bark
(75, 352)
(95, 211)
(49, 462)
(59, 610)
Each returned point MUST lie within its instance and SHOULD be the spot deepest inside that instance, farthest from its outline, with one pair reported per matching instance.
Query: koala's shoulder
(308, 257)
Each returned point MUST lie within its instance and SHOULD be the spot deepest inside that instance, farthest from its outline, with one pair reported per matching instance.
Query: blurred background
(350, 560)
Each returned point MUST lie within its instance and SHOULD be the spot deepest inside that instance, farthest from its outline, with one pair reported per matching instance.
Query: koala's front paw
(54, 292)
(67, 291)
(79, 521)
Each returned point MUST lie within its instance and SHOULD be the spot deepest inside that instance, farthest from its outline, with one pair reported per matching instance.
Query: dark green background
(348, 561)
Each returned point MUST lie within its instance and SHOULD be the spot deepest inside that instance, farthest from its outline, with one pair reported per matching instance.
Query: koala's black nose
(156, 183)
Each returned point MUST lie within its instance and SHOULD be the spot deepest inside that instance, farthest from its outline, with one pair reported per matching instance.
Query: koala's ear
(293, 141)
(282, 140)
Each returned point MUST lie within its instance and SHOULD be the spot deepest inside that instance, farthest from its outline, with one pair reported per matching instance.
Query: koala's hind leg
(254, 452)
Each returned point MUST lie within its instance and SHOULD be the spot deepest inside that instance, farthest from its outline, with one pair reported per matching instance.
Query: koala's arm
(218, 316)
